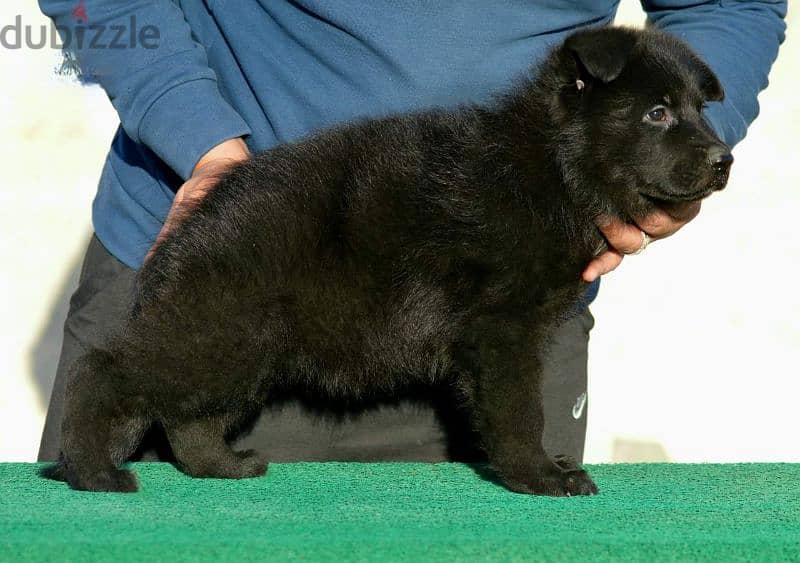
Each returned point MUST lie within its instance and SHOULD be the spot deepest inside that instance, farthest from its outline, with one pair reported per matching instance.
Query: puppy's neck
(529, 156)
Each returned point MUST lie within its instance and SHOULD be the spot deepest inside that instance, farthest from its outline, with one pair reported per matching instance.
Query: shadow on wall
(47, 346)
(625, 450)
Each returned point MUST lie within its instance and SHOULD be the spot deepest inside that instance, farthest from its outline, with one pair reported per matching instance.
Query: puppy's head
(631, 105)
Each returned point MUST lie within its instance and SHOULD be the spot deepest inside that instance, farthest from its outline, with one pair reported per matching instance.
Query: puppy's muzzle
(721, 160)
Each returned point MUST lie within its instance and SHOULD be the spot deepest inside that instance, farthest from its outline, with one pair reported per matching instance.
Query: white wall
(695, 352)
(53, 139)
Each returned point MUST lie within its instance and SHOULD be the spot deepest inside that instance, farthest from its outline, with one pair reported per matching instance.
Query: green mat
(407, 511)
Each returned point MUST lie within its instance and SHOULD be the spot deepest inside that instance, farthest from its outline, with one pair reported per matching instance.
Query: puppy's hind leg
(201, 450)
(98, 431)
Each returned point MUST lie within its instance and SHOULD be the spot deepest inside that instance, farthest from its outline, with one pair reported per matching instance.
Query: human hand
(624, 238)
(205, 175)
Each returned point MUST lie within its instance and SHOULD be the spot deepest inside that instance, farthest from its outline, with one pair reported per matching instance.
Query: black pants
(421, 426)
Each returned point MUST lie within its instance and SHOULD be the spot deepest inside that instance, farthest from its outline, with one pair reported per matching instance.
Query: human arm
(166, 96)
(204, 177)
(739, 40)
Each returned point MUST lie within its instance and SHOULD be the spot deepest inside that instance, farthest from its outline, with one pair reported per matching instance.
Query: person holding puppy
(224, 80)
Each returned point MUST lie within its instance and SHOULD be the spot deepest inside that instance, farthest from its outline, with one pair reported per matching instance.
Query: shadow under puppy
(443, 245)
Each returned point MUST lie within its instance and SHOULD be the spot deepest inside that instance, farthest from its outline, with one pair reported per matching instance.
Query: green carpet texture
(407, 512)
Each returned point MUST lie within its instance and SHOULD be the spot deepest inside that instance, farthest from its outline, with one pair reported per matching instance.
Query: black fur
(440, 246)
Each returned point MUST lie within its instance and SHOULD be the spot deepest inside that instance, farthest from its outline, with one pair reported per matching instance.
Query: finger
(162, 234)
(601, 265)
(622, 237)
(189, 196)
(177, 213)
(682, 211)
(665, 222)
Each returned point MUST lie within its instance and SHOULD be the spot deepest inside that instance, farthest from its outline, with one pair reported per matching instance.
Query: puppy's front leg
(504, 386)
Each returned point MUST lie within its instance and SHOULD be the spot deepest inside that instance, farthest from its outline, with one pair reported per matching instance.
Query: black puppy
(440, 245)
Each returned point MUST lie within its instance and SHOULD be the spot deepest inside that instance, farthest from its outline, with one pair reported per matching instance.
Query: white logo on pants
(577, 408)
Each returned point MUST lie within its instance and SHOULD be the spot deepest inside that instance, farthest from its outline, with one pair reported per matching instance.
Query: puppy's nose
(723, 160)
(720, 157)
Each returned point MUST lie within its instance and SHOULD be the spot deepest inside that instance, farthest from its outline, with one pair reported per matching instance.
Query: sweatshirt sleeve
(163, 89)
(739, 40)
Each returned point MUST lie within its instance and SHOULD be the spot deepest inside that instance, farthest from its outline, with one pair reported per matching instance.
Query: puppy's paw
(577, 482)
(567, 463)
(114, 481)
(253, 463)
(568, 479)
(233, 465)
(562, 477)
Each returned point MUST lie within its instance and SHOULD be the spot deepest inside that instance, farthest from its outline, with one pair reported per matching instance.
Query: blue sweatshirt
(278, 70)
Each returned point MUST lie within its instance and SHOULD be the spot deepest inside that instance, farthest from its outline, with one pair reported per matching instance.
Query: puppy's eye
(657, 114)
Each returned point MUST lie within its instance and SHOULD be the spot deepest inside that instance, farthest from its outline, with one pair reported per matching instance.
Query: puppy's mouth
(658, 196)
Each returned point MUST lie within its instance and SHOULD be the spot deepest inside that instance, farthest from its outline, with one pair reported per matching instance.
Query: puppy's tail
(98, 432)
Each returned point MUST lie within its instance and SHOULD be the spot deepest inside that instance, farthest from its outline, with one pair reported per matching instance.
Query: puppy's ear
(601, 53)
(709, 84)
